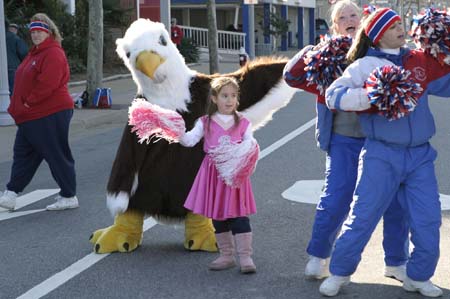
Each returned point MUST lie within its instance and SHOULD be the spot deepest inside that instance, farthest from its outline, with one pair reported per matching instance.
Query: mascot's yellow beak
(148, 61)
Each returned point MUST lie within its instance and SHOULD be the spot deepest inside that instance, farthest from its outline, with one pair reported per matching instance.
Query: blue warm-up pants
(334, 206)
(46, 139)
(384, 170)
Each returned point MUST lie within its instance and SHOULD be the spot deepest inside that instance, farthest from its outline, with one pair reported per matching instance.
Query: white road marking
(6, 216)
(445, 202)
(309, 191)
(276, 145)
(34, 196)
(25, 200)
(73, 270)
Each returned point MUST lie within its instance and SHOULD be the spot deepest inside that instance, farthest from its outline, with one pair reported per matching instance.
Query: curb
(111, 78)
(115, 77)
(98, 118)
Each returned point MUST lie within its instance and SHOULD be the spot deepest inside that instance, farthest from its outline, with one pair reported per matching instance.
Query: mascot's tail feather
(261, 113)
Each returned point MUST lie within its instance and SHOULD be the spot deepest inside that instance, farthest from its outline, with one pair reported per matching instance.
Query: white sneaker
(396, 272)
(317, 268)
(63, 203)
(331, 286)
(426, 288)
(8, 200)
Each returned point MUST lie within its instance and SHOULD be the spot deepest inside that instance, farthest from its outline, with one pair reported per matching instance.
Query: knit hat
(380, 23)
(39, 25)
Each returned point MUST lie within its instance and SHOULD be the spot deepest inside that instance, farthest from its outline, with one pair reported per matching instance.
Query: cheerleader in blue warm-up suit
(340, 135)
(396, 155)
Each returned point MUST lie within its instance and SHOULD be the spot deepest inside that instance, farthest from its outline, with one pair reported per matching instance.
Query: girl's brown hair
(216, 86)
(54, 31)
(362, 43)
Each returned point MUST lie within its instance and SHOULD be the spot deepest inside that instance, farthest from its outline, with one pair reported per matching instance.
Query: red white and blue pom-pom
(390, 90)
(431, 32)
(368, 9)
(235, 162)
(326, 64)
(151, 121)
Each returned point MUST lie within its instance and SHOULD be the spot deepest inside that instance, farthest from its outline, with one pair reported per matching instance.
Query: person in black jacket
(16, 50)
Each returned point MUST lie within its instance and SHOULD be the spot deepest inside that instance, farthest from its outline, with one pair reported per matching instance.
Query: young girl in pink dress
(213, 193)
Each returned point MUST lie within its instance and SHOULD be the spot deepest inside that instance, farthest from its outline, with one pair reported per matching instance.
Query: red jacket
(177, 34)
(41, 83)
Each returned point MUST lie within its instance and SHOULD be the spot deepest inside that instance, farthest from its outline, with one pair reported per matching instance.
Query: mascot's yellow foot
(199, 233)
(124, 235)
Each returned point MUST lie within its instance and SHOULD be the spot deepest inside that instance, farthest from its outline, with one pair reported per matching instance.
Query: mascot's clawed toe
(154, 179)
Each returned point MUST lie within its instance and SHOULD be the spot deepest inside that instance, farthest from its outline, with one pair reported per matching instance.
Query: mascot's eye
(128, 54)
(162, 41)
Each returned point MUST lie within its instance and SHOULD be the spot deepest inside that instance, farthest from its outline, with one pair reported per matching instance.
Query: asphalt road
(47, 254)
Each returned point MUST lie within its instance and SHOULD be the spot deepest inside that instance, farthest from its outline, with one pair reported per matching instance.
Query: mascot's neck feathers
(170, 88)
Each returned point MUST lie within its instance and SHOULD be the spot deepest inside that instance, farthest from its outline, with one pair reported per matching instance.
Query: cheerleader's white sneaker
(396, 272)
(426, 288)
(63, 203)
(8, 200)
(317, 268)
(333, 284)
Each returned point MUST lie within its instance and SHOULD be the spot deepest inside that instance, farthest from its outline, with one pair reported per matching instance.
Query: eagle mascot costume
(155, 178)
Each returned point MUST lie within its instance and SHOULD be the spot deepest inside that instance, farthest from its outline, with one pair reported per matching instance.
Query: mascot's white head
(157, 67)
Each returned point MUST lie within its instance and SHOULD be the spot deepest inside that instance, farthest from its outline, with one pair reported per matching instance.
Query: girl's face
(347, 21)
(394, 37)
(226, 100)
(38, 36)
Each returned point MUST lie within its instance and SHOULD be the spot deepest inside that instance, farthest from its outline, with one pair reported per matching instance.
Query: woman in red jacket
(42, 109)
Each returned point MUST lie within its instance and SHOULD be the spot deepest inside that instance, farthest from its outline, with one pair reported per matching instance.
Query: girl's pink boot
(226, 259)
(245, 250)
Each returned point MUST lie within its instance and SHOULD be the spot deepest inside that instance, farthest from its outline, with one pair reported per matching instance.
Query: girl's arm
(248, 133)
(439, 77)
(191, 138)
(294, 72)
(347, 93)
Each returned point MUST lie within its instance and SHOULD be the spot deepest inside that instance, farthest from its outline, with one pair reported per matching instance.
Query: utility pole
(95, 48)
(212, 37)
(164, 11)
(5, 118)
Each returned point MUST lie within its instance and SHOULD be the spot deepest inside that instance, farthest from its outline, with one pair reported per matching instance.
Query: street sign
(250, 1)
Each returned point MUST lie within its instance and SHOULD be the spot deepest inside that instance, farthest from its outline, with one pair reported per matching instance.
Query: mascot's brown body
(155, 178)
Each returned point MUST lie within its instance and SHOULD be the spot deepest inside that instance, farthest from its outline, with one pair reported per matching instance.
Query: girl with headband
(42, 109)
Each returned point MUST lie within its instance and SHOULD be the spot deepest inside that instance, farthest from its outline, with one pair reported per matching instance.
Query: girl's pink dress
(209, 195)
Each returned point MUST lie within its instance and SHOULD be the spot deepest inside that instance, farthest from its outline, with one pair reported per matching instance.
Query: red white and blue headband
(39, 25)
(380, 23)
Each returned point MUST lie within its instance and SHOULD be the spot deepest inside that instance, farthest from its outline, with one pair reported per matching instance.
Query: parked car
(322, 29)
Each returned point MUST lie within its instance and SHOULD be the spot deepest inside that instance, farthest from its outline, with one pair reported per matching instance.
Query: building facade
(234, 15)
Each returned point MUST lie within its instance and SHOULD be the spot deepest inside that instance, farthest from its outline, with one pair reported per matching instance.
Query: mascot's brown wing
(263, 90)
(257, 79)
